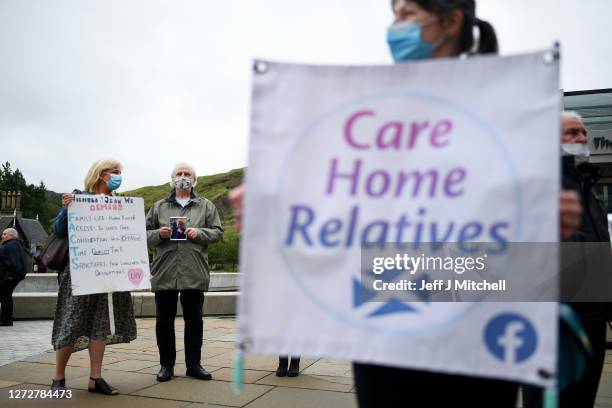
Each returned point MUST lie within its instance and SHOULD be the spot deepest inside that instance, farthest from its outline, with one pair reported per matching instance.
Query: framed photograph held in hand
(179, 226)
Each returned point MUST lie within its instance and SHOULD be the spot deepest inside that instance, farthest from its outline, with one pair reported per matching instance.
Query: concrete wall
(41, 305)
(35, 297)
(47, 282)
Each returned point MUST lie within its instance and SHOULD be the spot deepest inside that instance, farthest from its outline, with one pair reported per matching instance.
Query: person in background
(580, 176)
(12, 271)
(181, 267)
(293, 369)
(236, 197)
(83, 321)
(425, 29)
(39, 266)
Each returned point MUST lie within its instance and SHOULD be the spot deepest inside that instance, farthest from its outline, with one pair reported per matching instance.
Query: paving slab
(264, 363)
(281, 397)
(121, 355)
(82, 399)
(225, 337)
(334, 368)
(313, 382)
(209, 351)
(133, 345)
(23, 339)
(225, 359)
(212, 392)
(37, 373)
(220, 323)
(76, 360)
(215, 335)
(249, 376)
(179, 369)
(603, 402)
(5, 384)
(145, 323)
(222, 344)
(124, 381)
(605, 385)
(130, 365)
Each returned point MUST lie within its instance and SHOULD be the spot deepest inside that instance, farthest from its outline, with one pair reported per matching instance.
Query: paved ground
(24, 339)
(27, 363)
(132, 368)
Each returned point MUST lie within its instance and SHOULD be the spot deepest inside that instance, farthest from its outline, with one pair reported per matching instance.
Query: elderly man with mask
(180, 267)
(12, 271)
(579, 177)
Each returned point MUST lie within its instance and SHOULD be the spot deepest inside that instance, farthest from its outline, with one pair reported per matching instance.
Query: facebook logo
(511, 338)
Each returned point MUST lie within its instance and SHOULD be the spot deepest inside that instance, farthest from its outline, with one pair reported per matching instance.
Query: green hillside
(222, 255)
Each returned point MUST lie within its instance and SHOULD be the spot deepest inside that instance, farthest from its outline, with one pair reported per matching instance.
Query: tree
(34, 201)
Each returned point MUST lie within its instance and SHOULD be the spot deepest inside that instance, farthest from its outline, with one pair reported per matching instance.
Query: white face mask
(580, 151)
(182, 183)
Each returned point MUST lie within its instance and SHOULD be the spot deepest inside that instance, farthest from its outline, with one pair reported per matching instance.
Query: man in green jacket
(180, 266)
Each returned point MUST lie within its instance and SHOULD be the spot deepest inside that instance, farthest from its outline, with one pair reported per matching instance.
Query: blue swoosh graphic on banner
(362, 294)
(393, 306)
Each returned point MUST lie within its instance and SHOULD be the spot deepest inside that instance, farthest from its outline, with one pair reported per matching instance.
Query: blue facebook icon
(511, 338)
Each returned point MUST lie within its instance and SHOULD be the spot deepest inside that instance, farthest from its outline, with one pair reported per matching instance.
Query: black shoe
(6, 323)
(281, 371)
(58, 385)
(102, 387)
(165, 374)
(294, 368)
(198, 372)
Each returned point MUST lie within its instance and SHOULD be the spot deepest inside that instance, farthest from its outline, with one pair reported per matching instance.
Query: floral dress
(79, 318)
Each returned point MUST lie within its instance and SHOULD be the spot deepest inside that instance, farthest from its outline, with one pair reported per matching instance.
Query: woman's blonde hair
(97, 169)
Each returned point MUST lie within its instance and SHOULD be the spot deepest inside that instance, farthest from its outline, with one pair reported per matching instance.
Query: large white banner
(108, 244)
(451, 151)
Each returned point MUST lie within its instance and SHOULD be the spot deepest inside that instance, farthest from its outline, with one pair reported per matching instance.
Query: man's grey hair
(184, 166)
(13, 232)
(571, 115)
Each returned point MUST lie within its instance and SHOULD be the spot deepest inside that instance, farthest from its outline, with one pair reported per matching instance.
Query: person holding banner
(180, 266)
(443, 29)
(437, 29)
(84, 321)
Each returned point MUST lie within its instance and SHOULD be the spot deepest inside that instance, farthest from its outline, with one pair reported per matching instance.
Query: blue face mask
(406, 44)
(114, 182)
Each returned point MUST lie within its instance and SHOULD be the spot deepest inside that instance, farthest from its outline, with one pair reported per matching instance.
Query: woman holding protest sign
(84, 321)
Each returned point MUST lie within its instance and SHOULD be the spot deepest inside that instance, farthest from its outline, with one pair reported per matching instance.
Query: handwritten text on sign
(108, 245)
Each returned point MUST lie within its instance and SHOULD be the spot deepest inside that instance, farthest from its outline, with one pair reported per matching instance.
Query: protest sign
(435, 151)
(108, 244)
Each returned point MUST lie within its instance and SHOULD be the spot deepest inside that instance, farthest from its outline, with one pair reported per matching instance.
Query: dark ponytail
(487, 42)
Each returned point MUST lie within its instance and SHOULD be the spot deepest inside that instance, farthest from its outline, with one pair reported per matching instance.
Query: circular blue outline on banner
(487, 129)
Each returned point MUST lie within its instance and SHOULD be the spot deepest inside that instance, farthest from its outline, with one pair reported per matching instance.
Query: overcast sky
(155, 82)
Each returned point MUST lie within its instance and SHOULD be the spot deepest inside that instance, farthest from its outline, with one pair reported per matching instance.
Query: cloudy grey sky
(154, 82)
